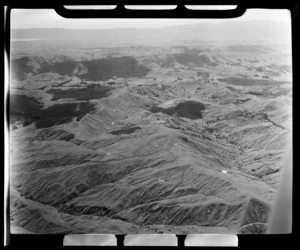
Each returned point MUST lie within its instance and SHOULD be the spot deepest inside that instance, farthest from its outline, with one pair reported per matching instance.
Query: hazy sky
(48, 18)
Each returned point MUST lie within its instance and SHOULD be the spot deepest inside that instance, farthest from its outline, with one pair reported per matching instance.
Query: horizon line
(167, 26)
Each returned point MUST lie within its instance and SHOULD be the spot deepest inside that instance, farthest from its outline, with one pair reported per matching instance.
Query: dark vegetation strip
(125, 131)
(49, 134)
(232, 89)
(267, 93)
(255, 93)
(81, 94)
(251, 82)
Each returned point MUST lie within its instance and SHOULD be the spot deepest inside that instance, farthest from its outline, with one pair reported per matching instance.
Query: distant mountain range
(272, 31)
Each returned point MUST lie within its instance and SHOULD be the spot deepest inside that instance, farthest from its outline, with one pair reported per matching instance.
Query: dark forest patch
(63, 68)
(94, 70)
(203, 74)
(22, 106)
(28, 110)
(21, 68)
(81, 94)
(189, 59)
(62, 113)
(189, 109)
(106, 68)
(248, 48)
(193, 50)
